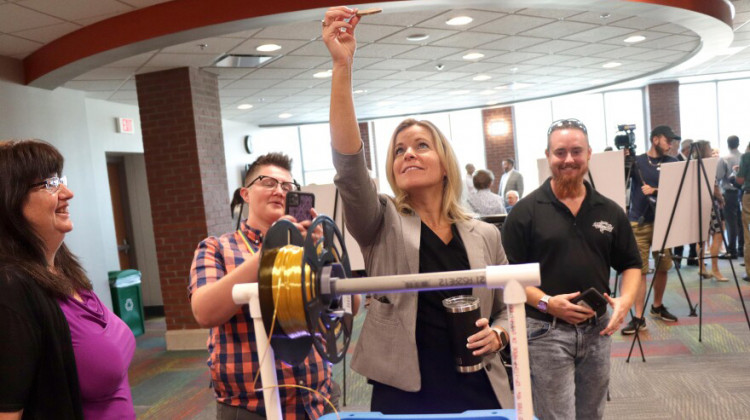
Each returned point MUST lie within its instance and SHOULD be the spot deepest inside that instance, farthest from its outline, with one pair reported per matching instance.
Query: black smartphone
(298, 205)
(591, 298)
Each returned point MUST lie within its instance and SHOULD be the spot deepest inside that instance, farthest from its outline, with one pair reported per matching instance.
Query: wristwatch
(543, 304)
(502, 337)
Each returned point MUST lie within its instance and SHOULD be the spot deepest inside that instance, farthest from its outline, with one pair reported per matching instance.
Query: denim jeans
(569, 368)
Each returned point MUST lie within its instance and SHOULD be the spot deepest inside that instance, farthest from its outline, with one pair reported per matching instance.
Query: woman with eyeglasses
(63, 354)
(404, 347)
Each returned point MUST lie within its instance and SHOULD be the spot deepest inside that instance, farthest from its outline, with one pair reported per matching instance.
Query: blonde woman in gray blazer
(392, 232)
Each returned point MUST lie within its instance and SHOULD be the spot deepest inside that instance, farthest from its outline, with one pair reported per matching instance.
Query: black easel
(700, 167)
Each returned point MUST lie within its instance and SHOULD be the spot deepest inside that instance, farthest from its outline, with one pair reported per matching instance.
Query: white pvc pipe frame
(511, 278)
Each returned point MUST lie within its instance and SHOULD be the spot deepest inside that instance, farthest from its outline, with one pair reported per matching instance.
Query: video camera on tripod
(625, 140)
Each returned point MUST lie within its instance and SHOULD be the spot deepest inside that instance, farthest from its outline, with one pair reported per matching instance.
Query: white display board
(685, 227)
(325, 198)
(607, 170)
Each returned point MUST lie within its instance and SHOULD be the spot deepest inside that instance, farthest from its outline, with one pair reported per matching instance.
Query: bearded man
(644, 189)
(576, 235)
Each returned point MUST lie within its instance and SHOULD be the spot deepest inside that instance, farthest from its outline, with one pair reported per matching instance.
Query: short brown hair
(275, 159)
(483, 179)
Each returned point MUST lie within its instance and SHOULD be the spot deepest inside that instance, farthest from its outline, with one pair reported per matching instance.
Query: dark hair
(483, 179)
(511, 161)
(276, 159)
(21, 164)
(733, 142)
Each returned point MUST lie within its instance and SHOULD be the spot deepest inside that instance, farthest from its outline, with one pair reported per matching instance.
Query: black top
(37, 364)
(444, 389)
(642, 208)
(574, 253)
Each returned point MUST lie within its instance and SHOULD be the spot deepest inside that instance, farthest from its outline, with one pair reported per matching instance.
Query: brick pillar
(498, 147)
(184, 153)
(663, 106)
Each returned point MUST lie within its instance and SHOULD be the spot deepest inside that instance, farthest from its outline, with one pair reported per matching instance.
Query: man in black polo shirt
(576, 235)
(644, 189)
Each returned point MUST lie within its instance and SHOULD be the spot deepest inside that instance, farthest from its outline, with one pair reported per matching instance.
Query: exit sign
(125, 125)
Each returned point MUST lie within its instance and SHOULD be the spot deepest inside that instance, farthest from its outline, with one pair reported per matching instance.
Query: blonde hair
(451, 206)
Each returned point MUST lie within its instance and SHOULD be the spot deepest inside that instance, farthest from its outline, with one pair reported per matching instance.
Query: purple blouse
(103, 346)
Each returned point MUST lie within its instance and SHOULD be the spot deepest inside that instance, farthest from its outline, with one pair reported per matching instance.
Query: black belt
(541, 316)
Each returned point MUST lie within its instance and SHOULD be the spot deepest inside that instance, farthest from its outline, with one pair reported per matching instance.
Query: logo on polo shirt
(603, 226)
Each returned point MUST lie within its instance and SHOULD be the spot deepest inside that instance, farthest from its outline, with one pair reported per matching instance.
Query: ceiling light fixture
(417, 37)
(323, 74)
(244, 106)
(487, 92)
(611, 65)
(473, 56)
(358, 91)
(459, 20)
(481, 78)
(285, 115)
(268, 47)
(635, 38)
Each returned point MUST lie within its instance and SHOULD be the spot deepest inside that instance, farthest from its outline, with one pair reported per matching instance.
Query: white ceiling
(528, 53)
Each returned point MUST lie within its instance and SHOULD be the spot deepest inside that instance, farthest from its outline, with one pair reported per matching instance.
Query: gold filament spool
(287, 289)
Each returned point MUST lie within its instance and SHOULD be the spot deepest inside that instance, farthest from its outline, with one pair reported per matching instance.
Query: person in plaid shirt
(233, 258)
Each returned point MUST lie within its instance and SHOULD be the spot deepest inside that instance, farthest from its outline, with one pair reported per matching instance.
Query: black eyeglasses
(270, 183)
(51, 184)
(567, 123)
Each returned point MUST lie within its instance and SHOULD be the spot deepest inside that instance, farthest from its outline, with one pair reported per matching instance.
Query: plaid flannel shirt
(233, 354)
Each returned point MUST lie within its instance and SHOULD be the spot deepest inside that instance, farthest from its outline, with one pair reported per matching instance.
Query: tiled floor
(682, 378)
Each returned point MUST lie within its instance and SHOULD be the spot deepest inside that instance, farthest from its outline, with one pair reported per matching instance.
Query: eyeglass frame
(282, 183)
(60, 180)
(567, 123)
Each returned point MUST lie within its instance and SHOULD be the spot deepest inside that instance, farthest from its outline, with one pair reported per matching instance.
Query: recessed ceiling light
(323, 74)
(611, 65)
(285, 115)
(481, 78)
(358, 91)
(635, 38)
(244, 106)
(604, 16)
(269, 47)
(473, 56)
(503, 87)
(459, 20)
(487, 92)
(417, 37)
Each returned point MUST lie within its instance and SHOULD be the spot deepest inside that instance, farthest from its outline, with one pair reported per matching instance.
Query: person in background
(404, 348)
(469, 179)
(715, 230)
(576, 235)
(63, 354)
(511, 197)
(643, 196)
(511, 179)
(679, 250)
(220, 263)
(483, 201)
(743, 178)
(726, 173)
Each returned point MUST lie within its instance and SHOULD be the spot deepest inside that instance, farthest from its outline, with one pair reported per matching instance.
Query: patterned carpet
(682, 378)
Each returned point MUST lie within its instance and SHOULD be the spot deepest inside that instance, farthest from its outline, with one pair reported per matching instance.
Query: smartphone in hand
(298, 205)
(592, 299)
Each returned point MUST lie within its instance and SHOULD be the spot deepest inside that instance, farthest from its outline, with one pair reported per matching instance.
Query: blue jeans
(569, 368)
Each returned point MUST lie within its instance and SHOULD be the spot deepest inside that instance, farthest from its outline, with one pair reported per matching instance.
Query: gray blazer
(515, 183)
(386, 350)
